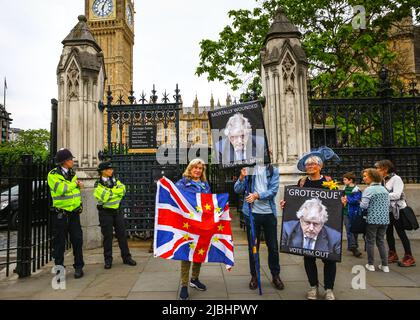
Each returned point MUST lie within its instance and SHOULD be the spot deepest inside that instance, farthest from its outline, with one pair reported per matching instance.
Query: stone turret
(284, 81)
(81, 81)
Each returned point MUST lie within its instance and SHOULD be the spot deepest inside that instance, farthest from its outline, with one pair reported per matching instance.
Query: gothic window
(73, 81)
(289, 73)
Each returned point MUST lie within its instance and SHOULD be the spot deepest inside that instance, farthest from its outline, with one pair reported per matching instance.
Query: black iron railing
(26, 233)
(363, 130)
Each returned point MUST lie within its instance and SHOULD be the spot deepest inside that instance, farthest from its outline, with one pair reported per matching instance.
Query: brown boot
(407, 261)
(278, 283)
(253, 285)
(392, 257)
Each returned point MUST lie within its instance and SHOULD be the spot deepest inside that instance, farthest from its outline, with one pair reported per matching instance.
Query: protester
(375, 199)
(312, 163)
(395, 186)
(351, 207)
(263, 186)
(194, 180)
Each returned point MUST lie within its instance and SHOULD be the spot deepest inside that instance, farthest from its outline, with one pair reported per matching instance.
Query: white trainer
(383, 268)
(370, 267)
(329, 295)
(312, 293)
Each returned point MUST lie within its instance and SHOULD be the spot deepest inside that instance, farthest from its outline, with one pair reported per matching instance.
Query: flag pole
(4, 93)
(254, 248)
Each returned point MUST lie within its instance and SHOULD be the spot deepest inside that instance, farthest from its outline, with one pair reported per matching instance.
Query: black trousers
(64, 225)
(268, 222)
(110, 219)
(330, 270)
(401, 233)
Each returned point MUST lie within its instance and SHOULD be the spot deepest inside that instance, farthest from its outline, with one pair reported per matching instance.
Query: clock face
(130, 16)
(103, 8)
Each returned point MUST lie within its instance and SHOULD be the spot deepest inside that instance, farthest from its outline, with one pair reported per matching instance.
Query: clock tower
(112, 24)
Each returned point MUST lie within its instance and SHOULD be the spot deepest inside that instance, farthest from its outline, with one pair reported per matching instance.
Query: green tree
(338, 54)
(34, 142)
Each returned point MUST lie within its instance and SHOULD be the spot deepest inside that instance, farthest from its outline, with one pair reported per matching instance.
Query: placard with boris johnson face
(238, 135)
(312, 223)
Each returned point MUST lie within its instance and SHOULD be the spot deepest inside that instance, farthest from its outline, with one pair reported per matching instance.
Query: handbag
(359, 222)
(408, 219)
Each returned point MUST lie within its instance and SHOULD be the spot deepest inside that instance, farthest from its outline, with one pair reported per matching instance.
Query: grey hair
(238, 120)
(315, 159)
(313, 208)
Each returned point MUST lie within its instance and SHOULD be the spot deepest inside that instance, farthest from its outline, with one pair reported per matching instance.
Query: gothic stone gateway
(132, 148)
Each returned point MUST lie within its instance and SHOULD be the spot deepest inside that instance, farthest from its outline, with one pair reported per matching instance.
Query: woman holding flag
(194, 180)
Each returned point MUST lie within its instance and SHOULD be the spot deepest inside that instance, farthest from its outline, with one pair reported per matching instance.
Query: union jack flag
(192, 226)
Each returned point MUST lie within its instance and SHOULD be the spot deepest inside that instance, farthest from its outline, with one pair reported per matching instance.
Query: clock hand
(103, 7)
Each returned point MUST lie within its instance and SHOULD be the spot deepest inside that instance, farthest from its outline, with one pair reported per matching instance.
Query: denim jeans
(351, 237)
(268, 222)
(376, 233)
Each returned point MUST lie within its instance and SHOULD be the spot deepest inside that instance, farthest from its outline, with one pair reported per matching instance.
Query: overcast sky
(166, 51)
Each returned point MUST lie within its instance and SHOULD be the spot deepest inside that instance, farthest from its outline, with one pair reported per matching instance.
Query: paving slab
(157, 281)
(106, 286)
(401, 293)
(158, 295)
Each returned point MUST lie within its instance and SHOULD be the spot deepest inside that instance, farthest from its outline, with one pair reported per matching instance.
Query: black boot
(130, 262)
(78, 273)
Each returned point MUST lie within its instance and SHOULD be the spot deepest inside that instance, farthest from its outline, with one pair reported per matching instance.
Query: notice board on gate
(142, 139)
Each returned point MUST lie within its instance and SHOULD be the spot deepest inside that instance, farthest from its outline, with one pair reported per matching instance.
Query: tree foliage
(33, 142)
(338, 54)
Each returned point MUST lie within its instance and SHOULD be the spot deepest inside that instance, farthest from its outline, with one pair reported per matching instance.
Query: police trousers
(110, 219)
(65, 224)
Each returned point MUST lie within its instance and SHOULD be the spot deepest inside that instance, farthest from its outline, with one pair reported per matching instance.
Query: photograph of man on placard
(312, 223)
(239, 135)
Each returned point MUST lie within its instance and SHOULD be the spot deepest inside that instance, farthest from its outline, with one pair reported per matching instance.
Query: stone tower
(112, 25)
(81, 79)
(284, 80)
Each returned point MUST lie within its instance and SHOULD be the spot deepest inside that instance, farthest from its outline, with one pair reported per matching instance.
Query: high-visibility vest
(109, 198)
(65, 194)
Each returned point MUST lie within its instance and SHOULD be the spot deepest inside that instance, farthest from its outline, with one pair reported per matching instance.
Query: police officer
(109, 192)
(67, 207)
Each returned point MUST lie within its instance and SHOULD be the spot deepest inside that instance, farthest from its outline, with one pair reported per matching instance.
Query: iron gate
(139, 169)
(25, 219)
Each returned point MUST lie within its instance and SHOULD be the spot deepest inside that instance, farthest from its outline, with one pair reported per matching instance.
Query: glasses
(311, 164)
(314, 224)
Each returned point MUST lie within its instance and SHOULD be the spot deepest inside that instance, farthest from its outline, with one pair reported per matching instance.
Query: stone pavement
(158, 279)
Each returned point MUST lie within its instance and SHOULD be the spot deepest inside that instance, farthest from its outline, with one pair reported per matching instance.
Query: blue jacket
(272, 189)
(186, 184)
(354, 202)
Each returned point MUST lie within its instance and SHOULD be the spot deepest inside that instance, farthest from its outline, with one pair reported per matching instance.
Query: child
(351, 203)
(109, 191)
(375, 199)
